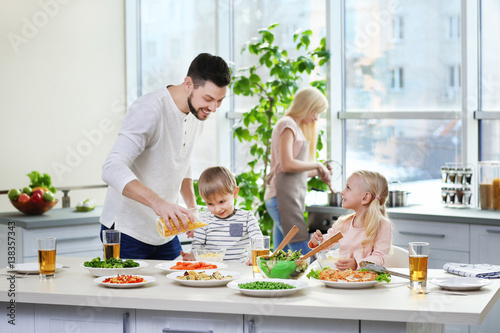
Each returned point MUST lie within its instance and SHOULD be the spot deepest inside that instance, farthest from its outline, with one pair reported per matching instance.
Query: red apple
(37, 197)
(24, 198)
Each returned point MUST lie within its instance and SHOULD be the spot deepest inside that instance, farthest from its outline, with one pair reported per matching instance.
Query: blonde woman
(293, 160)
(368, 231)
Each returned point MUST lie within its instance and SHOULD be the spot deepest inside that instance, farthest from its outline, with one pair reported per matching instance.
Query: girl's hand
(343, 264)
(316, 239)
(190, 234)
(187, 256)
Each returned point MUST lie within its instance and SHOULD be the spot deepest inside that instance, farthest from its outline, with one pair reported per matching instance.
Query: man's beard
(193, 110)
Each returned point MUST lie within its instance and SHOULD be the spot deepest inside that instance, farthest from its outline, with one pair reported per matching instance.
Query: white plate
(149, 279)
(166, 266)
(207, 283)
(460, 283)
(28, 267)
(269, 293)
(115, 271)
(349, 285)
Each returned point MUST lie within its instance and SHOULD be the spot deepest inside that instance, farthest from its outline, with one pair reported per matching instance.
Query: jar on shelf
(466, 199)
(444, 174)
(467, 180)
(451, 195)
(459, 176)
(444, 195)
(452, 175)
(489, 185)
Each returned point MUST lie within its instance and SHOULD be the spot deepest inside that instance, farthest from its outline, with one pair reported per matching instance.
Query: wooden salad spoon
(287, 239)
(322, 246)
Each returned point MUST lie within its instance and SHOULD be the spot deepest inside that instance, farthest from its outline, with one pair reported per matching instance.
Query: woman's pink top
(353, 237)
(298, 142)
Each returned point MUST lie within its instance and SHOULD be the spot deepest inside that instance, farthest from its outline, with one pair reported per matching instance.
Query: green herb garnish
(110, 263)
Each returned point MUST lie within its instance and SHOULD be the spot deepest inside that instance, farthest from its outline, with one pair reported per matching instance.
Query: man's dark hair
(207, 67)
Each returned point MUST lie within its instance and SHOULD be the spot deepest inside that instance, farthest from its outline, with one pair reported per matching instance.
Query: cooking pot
(397, 198)
(335, 199)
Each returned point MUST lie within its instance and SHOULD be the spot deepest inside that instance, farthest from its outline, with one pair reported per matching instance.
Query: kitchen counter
(393, 302)
(53, 218)
(427, 213)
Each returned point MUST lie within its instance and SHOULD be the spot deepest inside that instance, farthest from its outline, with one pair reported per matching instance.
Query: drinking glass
(260, 246)
(111, 241)
(419, 255)
(47, 257)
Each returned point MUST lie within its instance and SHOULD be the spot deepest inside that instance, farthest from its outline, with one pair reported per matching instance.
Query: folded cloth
(485, 271)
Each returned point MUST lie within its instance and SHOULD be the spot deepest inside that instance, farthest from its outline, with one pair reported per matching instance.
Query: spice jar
(467, 180)
(444, 174)
(460, 175)
(466, 199)
(452, 175)
(444, 195)
(451, 195)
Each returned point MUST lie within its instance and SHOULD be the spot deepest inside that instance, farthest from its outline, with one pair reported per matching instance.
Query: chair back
(398, 259)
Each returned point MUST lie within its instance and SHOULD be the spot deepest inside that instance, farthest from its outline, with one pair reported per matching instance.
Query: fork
(15, 275)
(421, 291)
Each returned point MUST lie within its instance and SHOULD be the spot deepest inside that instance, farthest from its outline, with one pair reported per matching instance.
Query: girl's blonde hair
(377, 185)
(308, 100)
(216, 180)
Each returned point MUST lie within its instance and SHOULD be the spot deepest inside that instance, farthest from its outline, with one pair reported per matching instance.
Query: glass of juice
(260, 246)
(419, 255)
(47, 257)
(111, 241)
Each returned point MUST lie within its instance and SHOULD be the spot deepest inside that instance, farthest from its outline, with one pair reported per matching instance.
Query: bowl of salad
(113, 266)
(283, 265)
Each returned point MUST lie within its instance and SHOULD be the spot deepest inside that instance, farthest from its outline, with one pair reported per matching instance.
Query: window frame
(469, 112)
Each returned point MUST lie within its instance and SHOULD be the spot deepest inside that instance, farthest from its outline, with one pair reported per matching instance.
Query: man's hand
(174, 212)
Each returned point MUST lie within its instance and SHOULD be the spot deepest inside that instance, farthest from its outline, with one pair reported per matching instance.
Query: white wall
(62, 91)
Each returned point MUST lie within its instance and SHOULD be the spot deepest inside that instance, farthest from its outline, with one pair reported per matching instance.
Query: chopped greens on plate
(110, 263)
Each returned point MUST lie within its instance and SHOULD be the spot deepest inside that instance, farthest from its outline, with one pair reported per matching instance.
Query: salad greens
(38, 179)
(381, 276)
(110, 263)
(315, 273)
(286, 256)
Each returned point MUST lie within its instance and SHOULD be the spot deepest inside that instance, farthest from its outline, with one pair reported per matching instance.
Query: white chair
(398, 259)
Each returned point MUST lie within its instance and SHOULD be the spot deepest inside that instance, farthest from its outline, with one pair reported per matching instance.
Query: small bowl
(329, 258)
(211, 255)
(282, 269)
(34, 208)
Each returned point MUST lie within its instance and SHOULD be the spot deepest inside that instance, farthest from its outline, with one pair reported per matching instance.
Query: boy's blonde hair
(307, 100)
(377, 185)
(216, 181)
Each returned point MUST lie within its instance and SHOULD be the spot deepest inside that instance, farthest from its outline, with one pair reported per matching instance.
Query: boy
(229, 228)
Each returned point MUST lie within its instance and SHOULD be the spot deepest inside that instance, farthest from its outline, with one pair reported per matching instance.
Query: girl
(293, 159)
(368, 231)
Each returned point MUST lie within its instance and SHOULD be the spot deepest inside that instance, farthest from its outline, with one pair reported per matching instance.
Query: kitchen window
(405, 77)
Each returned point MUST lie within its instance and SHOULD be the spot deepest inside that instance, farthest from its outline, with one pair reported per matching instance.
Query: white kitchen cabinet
(485, 249)
(22, 319)
(77, 234)
(57, 318)
(187, 322)
(267, 324)
(448, 242)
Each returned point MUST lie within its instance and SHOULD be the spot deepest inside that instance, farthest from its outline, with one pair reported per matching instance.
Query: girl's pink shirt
(353, 237)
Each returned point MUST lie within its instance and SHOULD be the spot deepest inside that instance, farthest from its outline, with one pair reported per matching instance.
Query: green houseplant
(273, 81)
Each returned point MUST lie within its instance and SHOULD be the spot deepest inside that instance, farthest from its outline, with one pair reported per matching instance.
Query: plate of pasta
(348, 279)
